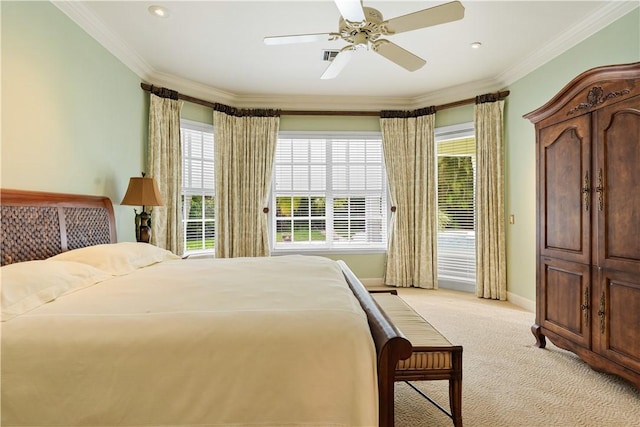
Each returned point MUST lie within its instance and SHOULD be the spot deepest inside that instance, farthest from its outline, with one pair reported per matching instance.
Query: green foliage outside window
(455, 192)
(200, 227)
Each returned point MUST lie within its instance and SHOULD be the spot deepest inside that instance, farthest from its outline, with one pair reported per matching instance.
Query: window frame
(328, 246)
(442, 134)
(204, 128)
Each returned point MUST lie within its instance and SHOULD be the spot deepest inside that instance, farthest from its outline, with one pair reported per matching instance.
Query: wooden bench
(433, 356)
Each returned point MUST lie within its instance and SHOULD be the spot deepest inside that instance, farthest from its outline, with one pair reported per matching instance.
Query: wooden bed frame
(38, 225)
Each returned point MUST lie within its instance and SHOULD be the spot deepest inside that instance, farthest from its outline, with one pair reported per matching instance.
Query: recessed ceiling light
(476, 45)
(159, 11)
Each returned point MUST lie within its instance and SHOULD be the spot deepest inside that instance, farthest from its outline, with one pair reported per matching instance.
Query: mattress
(276, 341)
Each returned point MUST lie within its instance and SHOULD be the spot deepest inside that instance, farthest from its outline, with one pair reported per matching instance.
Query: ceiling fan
(362, 28)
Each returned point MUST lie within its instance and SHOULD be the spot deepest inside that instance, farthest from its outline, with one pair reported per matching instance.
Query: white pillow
(117, 258)
(28, 285)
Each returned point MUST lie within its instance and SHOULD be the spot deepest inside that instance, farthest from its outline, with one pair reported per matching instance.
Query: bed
(96, 332)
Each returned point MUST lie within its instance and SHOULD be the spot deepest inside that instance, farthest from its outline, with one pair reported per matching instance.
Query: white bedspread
(277, 341)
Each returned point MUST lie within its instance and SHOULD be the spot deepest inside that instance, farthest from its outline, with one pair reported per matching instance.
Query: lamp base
(143, 230)
(145, 234)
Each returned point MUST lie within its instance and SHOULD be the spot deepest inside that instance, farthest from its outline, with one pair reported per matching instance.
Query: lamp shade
(142, 191)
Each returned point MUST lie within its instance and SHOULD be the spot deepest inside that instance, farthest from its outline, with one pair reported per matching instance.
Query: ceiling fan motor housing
(361, 33)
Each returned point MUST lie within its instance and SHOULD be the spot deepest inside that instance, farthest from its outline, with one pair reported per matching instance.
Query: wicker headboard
(38, 225)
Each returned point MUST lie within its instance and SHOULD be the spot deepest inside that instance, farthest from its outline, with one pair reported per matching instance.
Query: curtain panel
(245, 143)
(491, 276)
(409, 152)
(165, 165)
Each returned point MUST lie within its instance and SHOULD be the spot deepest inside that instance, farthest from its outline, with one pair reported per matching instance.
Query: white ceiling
(213, 50)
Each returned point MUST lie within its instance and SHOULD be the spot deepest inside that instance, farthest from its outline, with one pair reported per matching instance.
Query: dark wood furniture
(588, 219)
(391, 346)
(38, 225)
(433, 356)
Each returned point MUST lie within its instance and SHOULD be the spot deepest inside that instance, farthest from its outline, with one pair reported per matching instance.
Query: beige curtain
(409, 152)
(491, 276)
(245, 144)
(165, 165)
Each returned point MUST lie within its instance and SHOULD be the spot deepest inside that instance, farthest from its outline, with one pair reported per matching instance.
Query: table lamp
(142, 192)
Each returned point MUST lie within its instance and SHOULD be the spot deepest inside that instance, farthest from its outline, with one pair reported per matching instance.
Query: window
(197, 186)
(456, 157)
(329, 192)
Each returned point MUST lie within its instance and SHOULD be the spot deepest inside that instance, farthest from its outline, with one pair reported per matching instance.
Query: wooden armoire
(588, 219)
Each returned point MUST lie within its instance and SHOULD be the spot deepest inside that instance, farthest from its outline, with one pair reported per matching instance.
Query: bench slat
(417, 330)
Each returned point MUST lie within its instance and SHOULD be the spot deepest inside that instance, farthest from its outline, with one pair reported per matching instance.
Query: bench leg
(455, 401)
(455, 390)
(386, 398)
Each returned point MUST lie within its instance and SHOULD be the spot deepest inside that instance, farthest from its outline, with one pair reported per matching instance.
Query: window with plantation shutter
(456, 157)
(197, 186)
(329, 192)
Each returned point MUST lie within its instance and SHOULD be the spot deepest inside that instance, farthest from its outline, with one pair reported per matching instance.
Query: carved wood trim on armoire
(588, 219)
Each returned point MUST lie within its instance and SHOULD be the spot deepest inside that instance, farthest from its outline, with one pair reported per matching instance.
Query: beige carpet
(506, 380)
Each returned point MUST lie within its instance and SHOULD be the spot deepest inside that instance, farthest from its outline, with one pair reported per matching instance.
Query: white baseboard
(522, 302)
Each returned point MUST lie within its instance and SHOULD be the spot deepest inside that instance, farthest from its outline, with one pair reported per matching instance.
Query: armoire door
(564, 205)
(563, 303)
(616, 331)
(617, 186)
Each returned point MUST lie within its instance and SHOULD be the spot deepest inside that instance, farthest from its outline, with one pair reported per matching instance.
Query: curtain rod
(501, 94)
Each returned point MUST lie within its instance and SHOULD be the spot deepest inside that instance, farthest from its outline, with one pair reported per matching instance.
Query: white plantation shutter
(329, 192)
(301, 165)
(456, 157)
(197, 171)
(197, 186)
(300, 183)
(359, 193)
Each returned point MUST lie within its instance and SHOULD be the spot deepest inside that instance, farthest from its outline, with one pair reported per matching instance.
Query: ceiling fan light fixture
(476, 45)
(360, 47)
(159, 11)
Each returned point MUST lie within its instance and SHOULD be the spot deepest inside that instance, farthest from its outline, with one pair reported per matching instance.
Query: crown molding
(604, 16)
(283, 102)
(78, 13)
(322, 102)
(191, 88)
(456, 93)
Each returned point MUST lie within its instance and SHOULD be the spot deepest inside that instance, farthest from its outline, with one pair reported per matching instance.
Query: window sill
(325, 251)
(198, 254)
(298, 251)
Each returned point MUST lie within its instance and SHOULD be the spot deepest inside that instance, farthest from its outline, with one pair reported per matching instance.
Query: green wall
(329, 123)
(74, 118)
(197, 113)
(616, 44)
(454, 116)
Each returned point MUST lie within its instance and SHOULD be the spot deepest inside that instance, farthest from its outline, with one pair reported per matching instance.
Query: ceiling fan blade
(426, 18)
(299, 38)
(351, 10)
(400, 56)
(338, 63)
